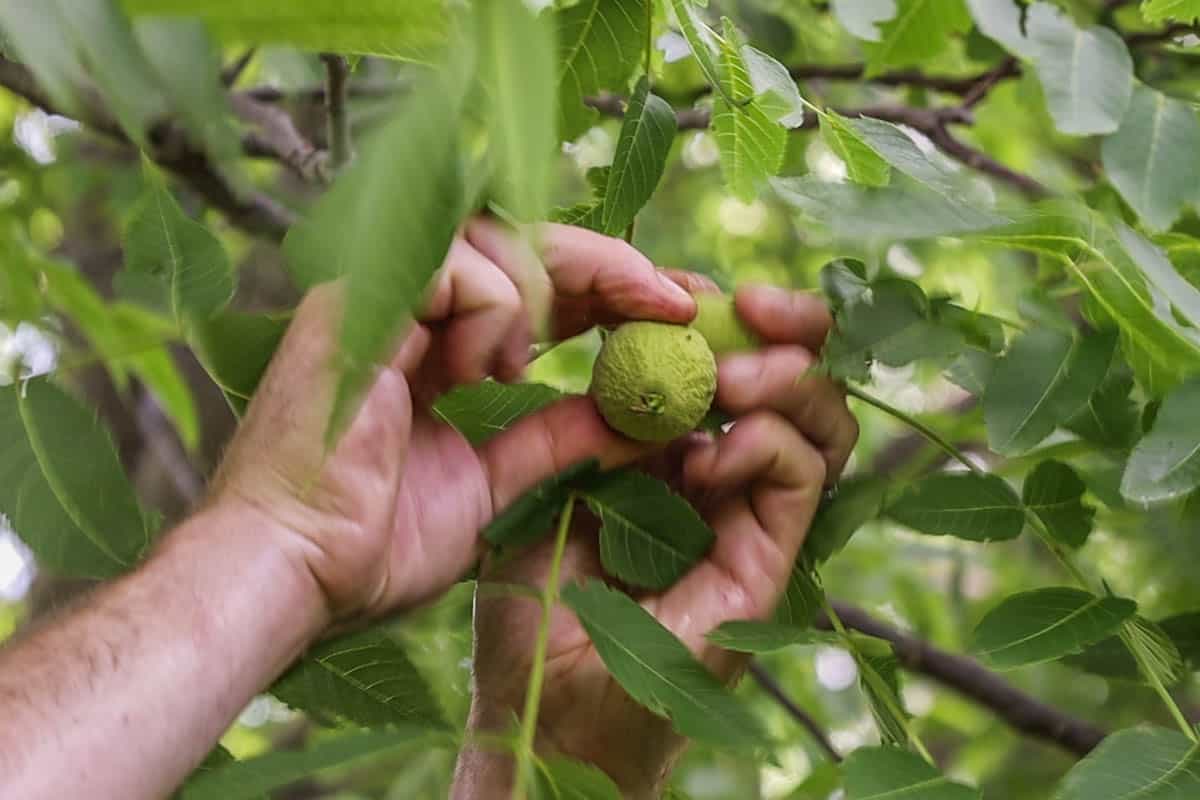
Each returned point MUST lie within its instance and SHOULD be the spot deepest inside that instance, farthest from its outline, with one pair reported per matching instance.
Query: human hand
(758, 486)
(391, 517)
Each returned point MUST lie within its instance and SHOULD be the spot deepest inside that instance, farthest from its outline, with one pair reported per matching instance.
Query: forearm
(125, 694)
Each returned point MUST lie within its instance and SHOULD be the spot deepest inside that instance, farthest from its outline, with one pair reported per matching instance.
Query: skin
(293, 545)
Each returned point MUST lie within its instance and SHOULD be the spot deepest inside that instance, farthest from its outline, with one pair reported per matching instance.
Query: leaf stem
(537, 674)
(929, 433)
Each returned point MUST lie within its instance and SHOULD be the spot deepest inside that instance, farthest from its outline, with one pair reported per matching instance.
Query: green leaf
(1110, 417)
(1047, 624)
(157, 370)
(876, 773)
(879, 680)
(1111, 658)
(863, 165)
(173, 257)
(1151, 160)
(895, 146)
(844, 281)
(365, 678)
(765, 637)
(244, 780)
(861, 18)
(561, 778)
(1043, 380)
(641, 156)
(20, 296)
(414, 30)
(703, 42)
(1146, 763)
(774, 88)
(1161, 10)
(379, 237)
(531, 515)
(658, 671)
(1001, 20)
(856, 501)
(70, 44)
(649, 536)
(1184, 631)
(62, 485)
(235, 349)
(919, 31)
(1166, 462)
(972, 370)
(802, 598)
(482, 410)
(1152, 263)
(516, 66)
(600, 43)
(750, 144)
(1054, 492)
(979, 508)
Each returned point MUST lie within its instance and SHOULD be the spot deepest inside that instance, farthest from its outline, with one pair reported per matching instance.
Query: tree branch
(766, 681)
(1172, 31)
(253, 212)
(160, 438)
(337, 75)
(966, 676)
(274, 136)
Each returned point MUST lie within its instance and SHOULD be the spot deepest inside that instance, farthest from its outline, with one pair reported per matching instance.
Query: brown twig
(982, 162)
(231, 73)
(965, 675)
(1172, 31)
(766, 681)
(274, 136)
(337, 76)
(987, 81)
(159, 436)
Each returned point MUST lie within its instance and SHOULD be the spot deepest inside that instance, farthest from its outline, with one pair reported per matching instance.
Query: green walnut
(654, 381)
(719, 323)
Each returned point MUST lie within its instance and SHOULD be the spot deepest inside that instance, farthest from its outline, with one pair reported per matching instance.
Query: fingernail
(673, 288)
(739, 369)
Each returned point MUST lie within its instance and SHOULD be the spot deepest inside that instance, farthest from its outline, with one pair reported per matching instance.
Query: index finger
(785, 316)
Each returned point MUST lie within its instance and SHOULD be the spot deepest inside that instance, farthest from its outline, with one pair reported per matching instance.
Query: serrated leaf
(62, 485)
(658, 671)
(1150, 158)
(649, 536)
(1165, 464)
(600, 43)
(532, 515)
(856, 501)
(482, 410)
(1043, 380)
(1161, 10)
(516, 67)
(365, 678)
(1184, 631)
(979, 508)
(750, 144)
(414, 30)
(378, 237)
(863, 165)
(561, 778)
(879, 680)
(802, 598)
(1152, 263)
(1047, 624)
(702, 41)
(1110, 417)
(235, 348)
(641, 156)
(1054, 492)
(1111, 658)
(774, 87)
(747, 636)
(176, 258)
(895, 146)
(844, 281)
(251, 778)
(919, 31)
(1146, 763)
(876, 773)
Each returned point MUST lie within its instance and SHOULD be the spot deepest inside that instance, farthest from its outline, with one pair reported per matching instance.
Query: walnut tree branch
(766, 681)
(968, 677)
(337, 76)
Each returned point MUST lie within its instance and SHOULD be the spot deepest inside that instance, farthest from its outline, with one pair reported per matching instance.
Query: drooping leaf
(658, 671)
(894, 146)
(765, 637)
(1184, 631)
(177, 263)
(649, 536)
(1043, 380)
(641, 156)
(482, 410)
(62, 486)
(844, 281)
(235, 348)
(979, 508)
(531, 516)
(561, 778)
(415, 30)
(920, 30)
(379, 237)
(1111, 658)
(600, 43)
(251, 778)
(857, 501)
(365, 678)
(1165, 464)
(1146, 763)
(1150, 158)
(750, 143)
(879, 680)
(774, 87)
(516, 65)
(1153, 265)
(863, 165)
(1110, 417)
(1047, 624)
(876, 773)
(1160, 10)
(1054, 492)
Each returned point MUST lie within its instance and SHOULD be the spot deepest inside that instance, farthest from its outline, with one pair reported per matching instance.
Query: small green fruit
(718, 321)
(654, 381)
